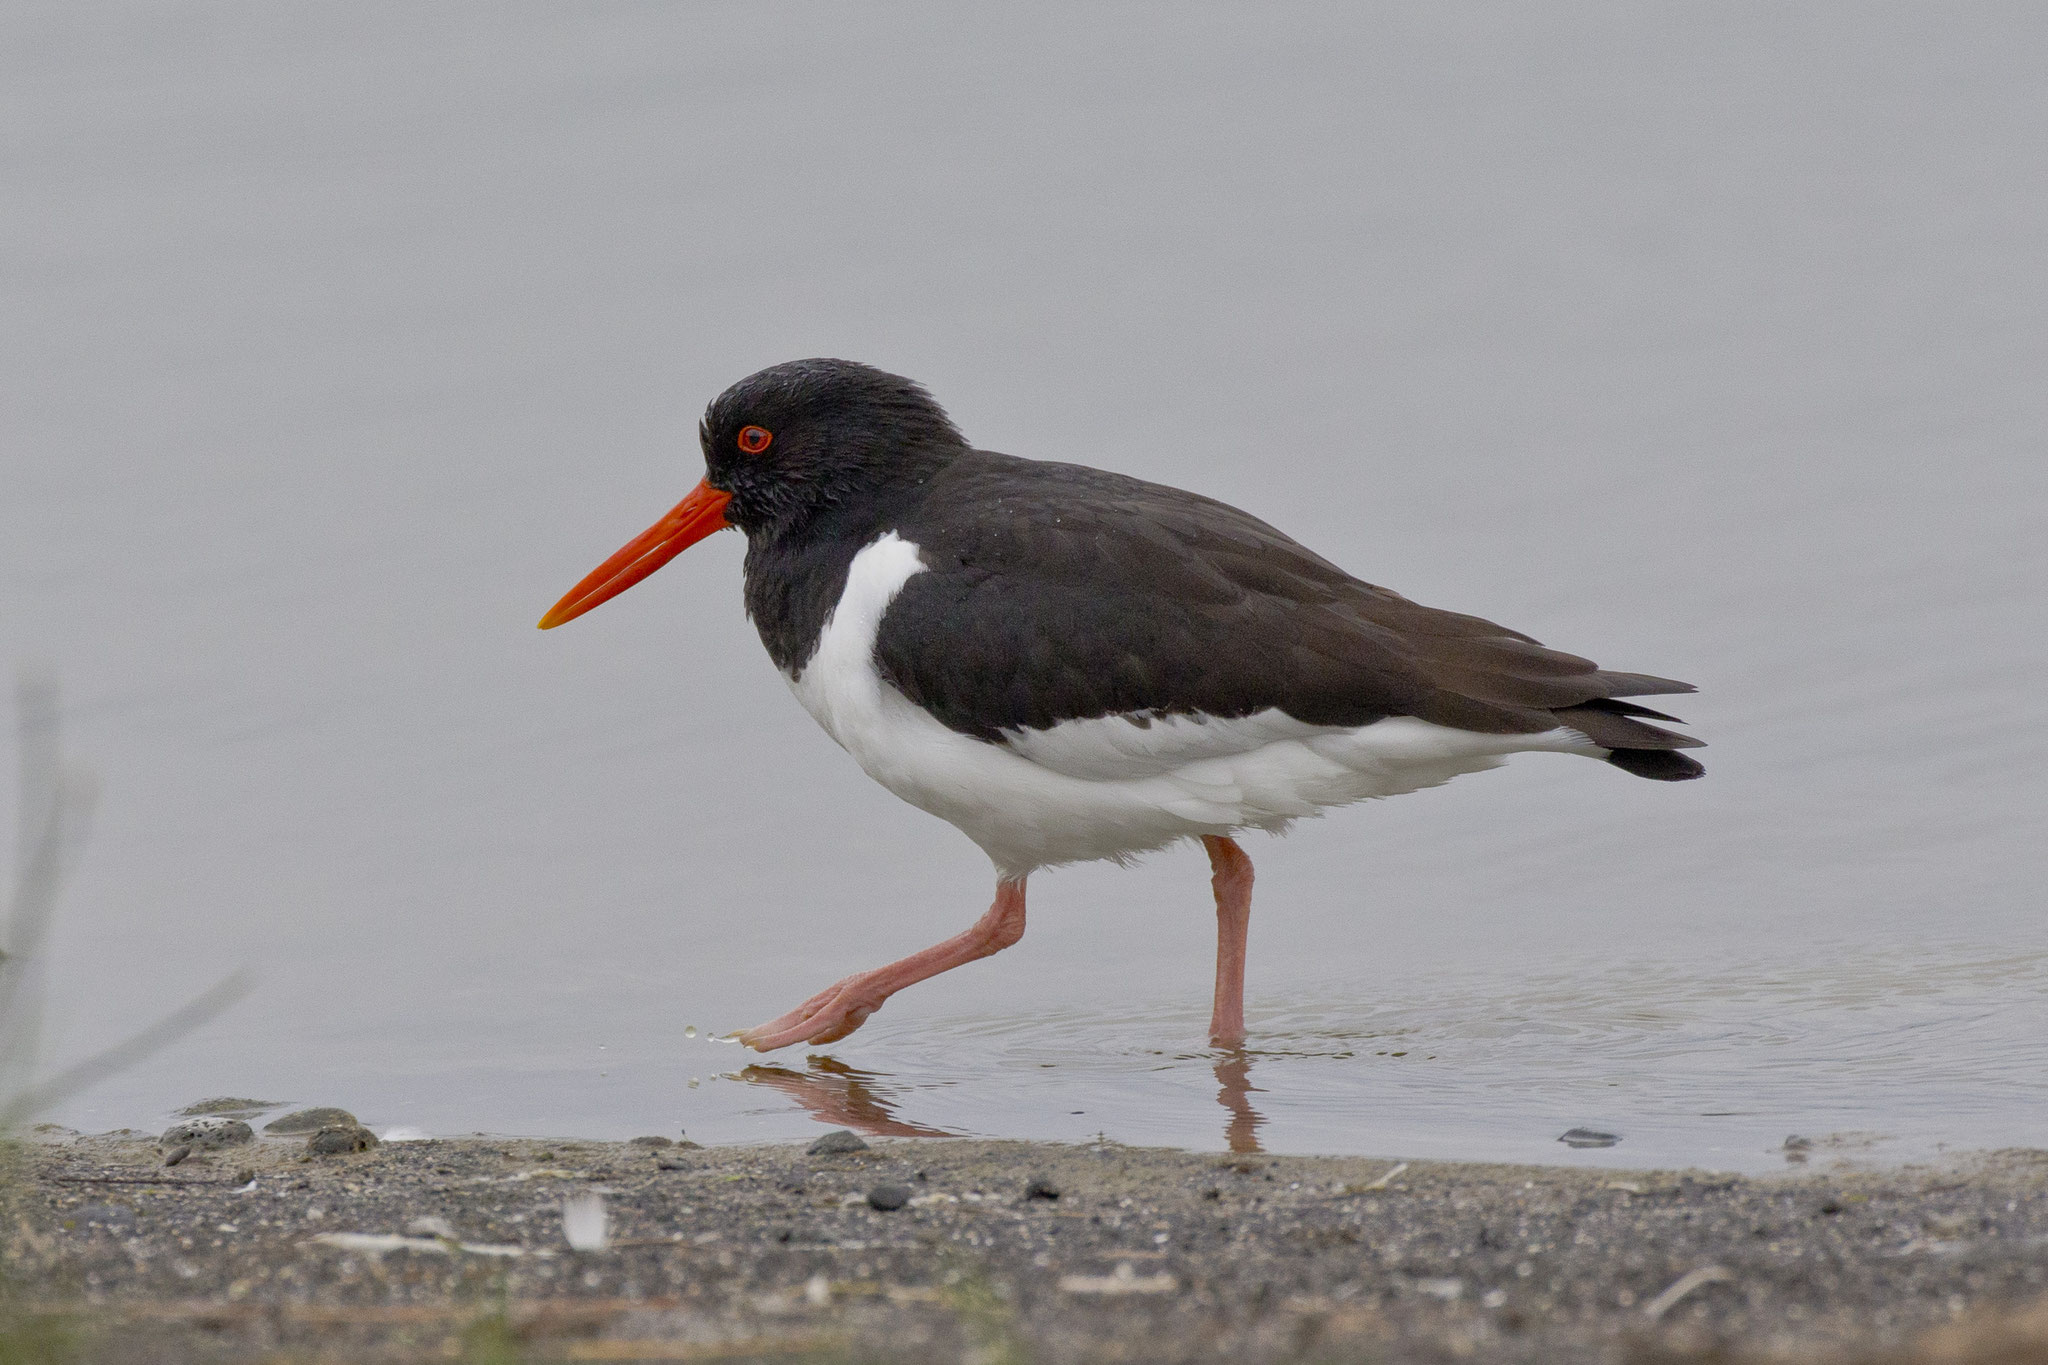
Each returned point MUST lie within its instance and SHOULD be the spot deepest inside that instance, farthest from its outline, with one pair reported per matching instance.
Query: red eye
(754, 440)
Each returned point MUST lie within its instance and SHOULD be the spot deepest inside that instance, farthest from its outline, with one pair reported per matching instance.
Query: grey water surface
(1706, 339)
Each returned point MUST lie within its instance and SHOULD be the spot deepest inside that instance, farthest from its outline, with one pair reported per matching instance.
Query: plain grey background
(1706, 339)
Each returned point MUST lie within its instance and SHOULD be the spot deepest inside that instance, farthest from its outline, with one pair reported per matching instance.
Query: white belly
(1111, 787)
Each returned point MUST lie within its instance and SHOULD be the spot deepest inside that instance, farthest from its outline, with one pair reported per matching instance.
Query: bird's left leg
(844, 1006)
(1231, 878)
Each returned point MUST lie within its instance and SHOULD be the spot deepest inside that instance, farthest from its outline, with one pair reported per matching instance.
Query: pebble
(888, 1198)
(107, 1215)
(1588, 1137)
(177, 1154)
(208, 1132)
(836, 1142)
(311, 1121)
(1041, 1188)
(341, 1138)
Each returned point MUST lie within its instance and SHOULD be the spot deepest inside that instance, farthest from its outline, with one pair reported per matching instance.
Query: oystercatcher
(1070, 664)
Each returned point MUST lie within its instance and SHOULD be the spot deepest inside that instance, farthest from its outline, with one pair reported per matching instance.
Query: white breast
(1110, 786)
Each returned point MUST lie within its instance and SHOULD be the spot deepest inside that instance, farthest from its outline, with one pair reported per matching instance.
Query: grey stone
(837, 1142)
(888, 1198)
(311, 1121)
(208, 1132)
(339, 1139)
(1588, 1137)
(177, 1154)
(228, 1106)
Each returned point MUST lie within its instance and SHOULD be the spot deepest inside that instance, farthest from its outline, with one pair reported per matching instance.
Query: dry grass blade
(56, 802)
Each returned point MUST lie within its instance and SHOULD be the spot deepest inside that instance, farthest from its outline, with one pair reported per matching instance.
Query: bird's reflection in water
(1234, 1082)
(845, 1097)
(836, 1093)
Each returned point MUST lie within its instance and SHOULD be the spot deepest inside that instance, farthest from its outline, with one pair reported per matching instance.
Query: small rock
(1588, 1137)
(177, 1154)
(432, 1226)
(586, 1226)
(311, 1121)
(664, 1162)
(208, 1132)
(1041, 1188)
(836, 1143)
(888, 1198)
(245, 1175)
(228, 1106)
(341, 1138)
(652, 1140)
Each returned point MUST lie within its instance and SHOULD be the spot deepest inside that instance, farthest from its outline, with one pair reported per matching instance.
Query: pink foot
(845, 1005)
(826, 1017)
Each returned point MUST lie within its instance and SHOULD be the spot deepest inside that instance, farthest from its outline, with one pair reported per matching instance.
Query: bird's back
(1057, 592)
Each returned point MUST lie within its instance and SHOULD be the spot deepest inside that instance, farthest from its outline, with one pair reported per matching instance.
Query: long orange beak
(688, 522)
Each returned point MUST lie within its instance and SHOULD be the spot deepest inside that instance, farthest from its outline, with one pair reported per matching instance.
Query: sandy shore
(998, 1252)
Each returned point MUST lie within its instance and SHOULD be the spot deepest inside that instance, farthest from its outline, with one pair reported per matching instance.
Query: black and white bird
(1070, 664)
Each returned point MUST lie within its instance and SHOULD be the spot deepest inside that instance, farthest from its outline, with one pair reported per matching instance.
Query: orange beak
(688, 522)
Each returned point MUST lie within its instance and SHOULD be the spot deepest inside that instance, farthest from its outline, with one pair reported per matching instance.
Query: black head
(807, 434)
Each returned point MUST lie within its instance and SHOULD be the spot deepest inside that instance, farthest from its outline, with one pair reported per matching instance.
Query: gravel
(419, 1249)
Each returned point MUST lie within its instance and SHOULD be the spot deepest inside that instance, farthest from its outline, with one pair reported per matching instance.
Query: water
(1704, 340)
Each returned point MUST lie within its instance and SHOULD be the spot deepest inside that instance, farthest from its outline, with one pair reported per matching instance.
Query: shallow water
(1706, 342)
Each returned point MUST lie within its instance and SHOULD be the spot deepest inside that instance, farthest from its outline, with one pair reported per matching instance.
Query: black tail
(1659, 765)
(1645, 750)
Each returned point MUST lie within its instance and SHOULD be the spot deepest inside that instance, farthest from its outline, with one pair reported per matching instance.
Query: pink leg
(844, 1006)
(1231, 876)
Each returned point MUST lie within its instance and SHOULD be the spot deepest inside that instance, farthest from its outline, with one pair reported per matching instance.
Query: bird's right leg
(1231, 878)
(845, 1005)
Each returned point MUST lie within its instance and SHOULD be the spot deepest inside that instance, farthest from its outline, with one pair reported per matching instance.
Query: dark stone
(177, 1154)
(888, 1198)
(665, 1162)
(1041, 1188)
(311, 1121)
(651, 1140)
(208, 1132)
(339, 1139)
(835, 1143)
(1588, 1137)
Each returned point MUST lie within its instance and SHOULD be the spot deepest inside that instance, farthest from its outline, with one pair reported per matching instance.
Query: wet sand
(1007, 1252)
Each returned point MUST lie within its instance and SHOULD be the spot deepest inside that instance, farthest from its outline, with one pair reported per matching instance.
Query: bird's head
(780, 447)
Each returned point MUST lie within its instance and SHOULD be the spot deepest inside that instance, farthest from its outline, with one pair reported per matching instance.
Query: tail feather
(1635, 747)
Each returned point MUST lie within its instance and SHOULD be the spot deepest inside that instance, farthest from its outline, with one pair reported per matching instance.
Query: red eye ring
(754, 440)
